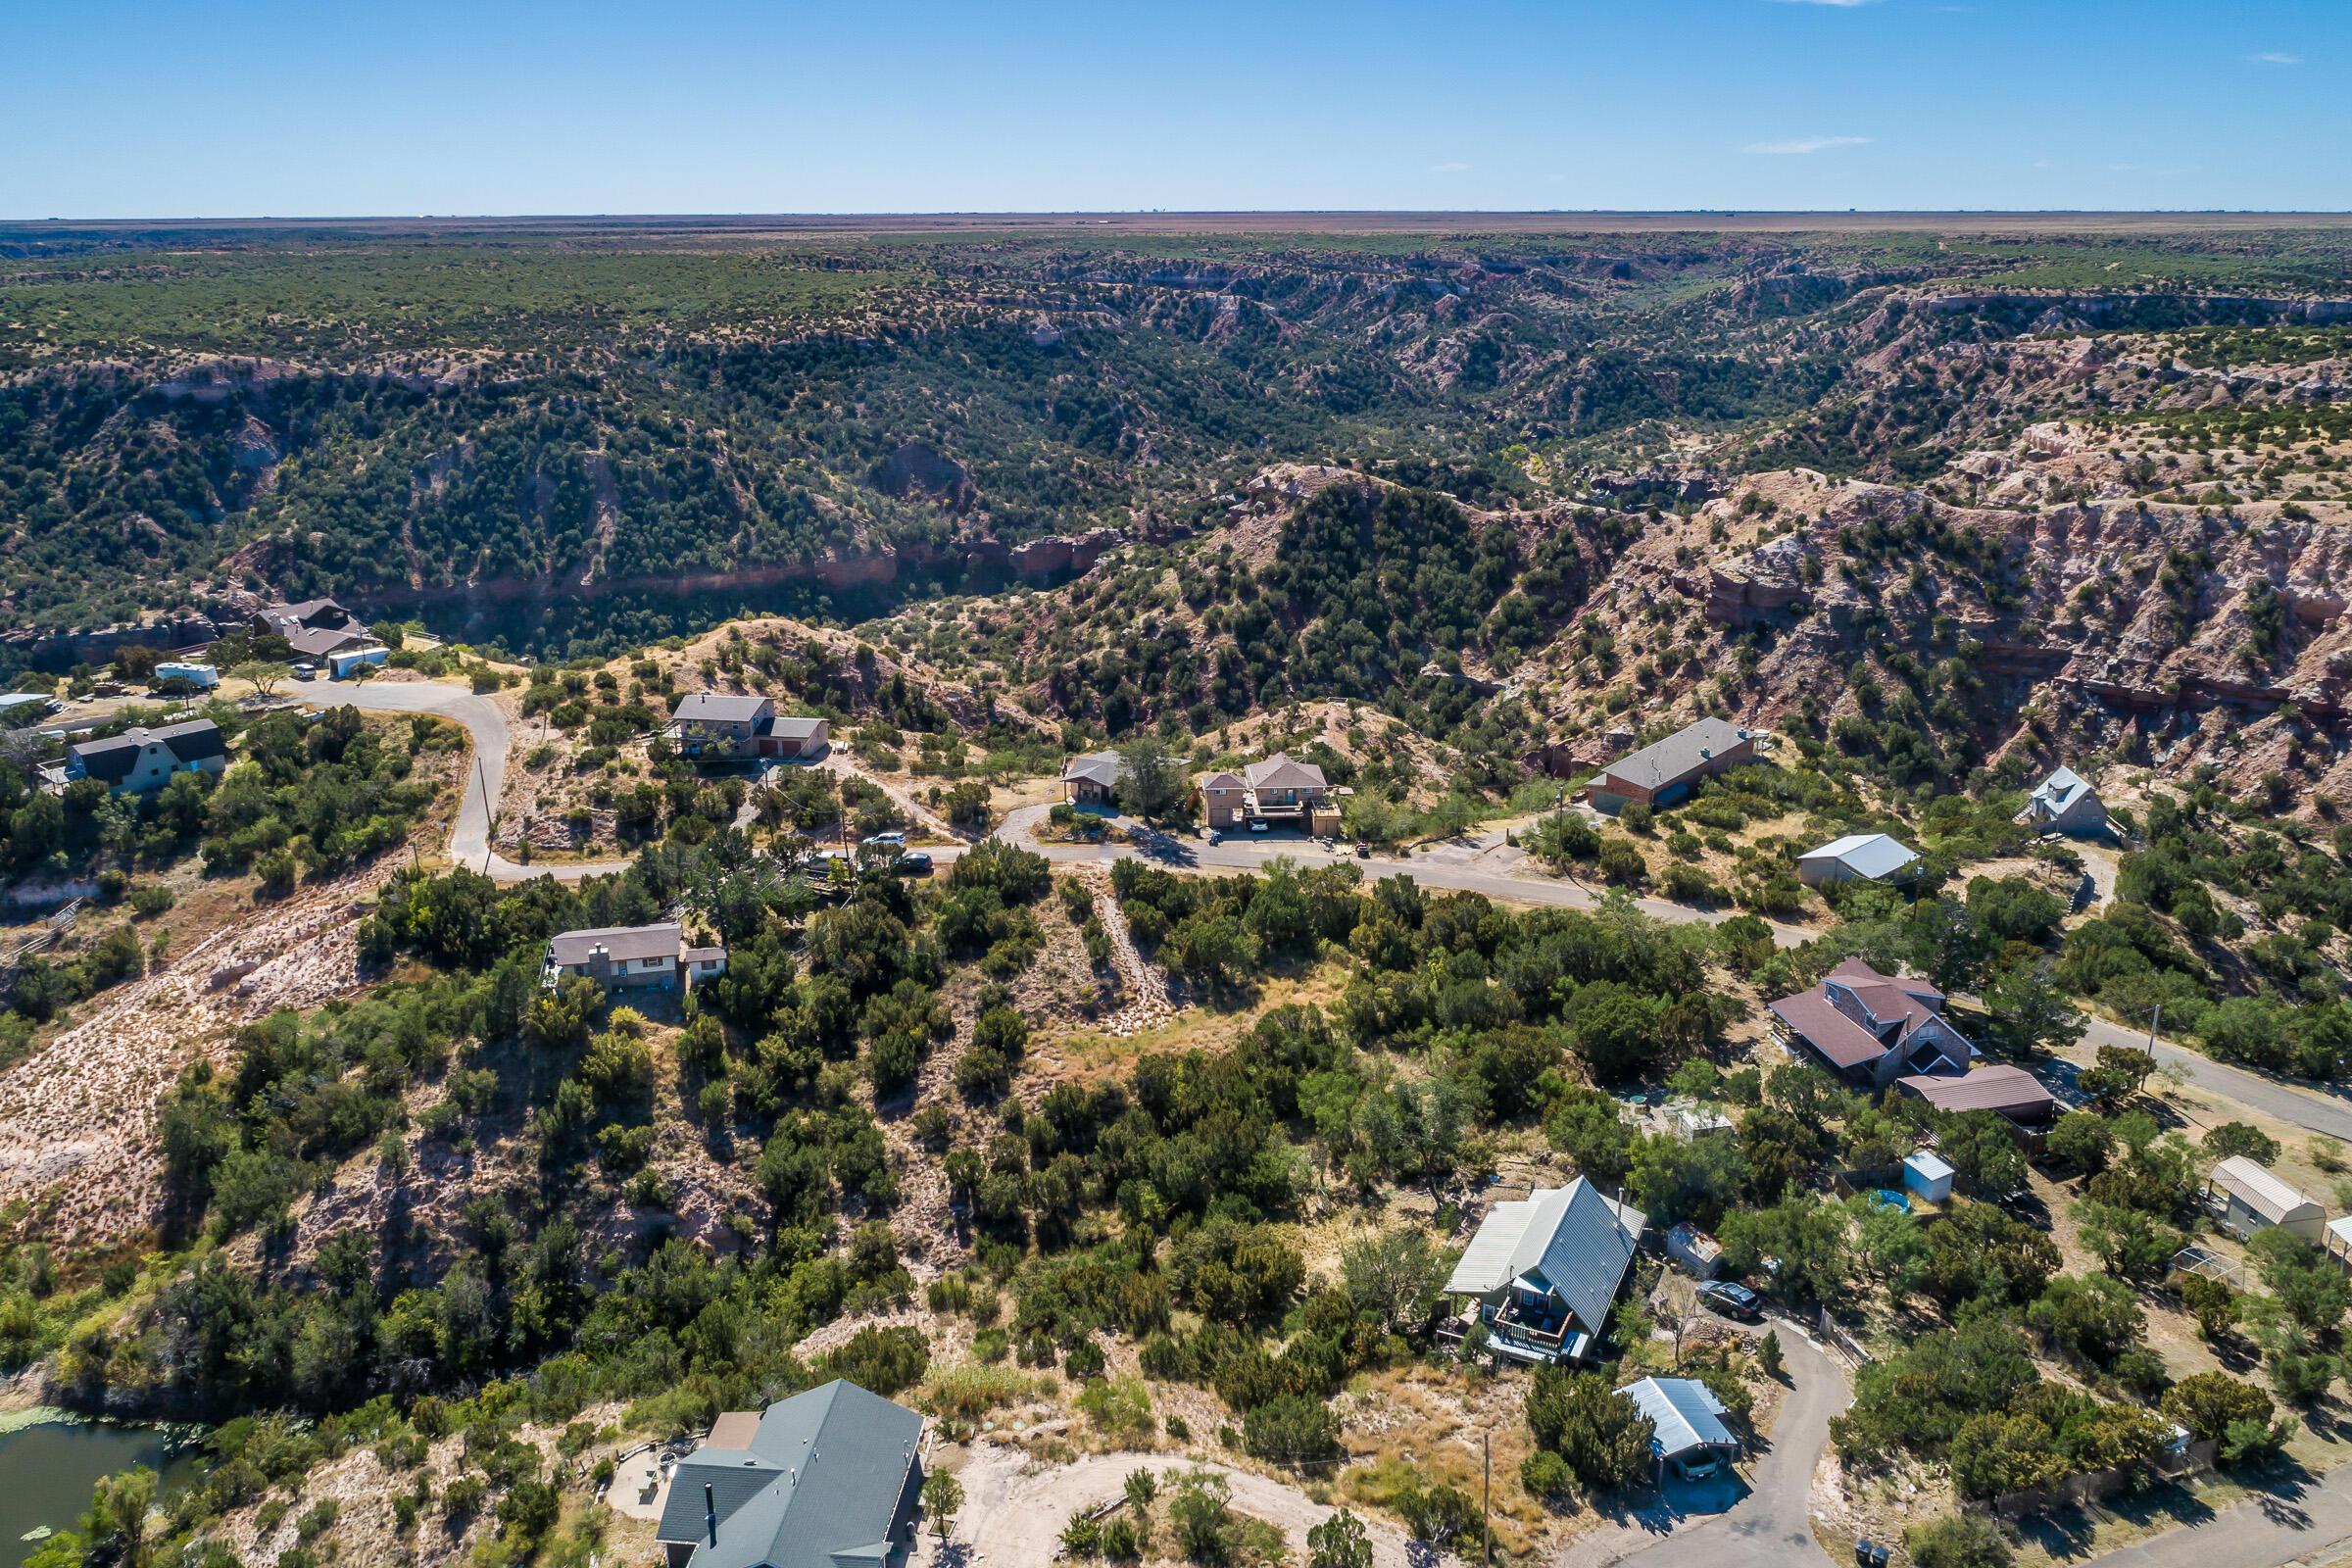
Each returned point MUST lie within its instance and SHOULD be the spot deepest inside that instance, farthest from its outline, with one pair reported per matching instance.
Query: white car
(1256, 825)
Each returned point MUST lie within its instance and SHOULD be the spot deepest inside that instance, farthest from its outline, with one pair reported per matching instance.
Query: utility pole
(1485, 1506)
(2155, 1019)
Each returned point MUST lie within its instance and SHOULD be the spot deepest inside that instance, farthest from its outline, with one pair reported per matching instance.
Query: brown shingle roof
(1846, 1042)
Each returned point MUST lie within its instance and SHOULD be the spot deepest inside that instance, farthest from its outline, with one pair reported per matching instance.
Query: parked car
(304, 668)
(1257, 824)
(887, 841)
(913, 863)
(1731, 1300)
(1363, 851)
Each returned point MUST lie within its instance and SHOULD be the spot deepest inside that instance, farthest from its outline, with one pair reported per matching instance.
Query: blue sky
(340, 106)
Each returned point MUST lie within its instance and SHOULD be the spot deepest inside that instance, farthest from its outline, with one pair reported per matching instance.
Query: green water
(48, 1468)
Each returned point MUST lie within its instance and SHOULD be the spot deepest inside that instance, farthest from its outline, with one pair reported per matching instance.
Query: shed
(2340, 1239)
(2247, 1197)
(1695, 1250)
(1929, 1176)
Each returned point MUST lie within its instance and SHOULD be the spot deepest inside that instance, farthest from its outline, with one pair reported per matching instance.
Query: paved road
(469, 836)
(2311, 1525)
(1772, 1526)
(2312, 1109)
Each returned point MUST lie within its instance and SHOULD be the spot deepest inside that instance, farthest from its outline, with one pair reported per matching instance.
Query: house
(716, 722)
(1928, 1175)
(1093, 779)
(322, 643)
(632, 958)
(827, 1479)
(22, 707)
(1857, 858)
(2065, 803)
(1543, 1270)
(1663, 771)
(316, 630)
(141, 760)
(1688, 1429)
(1282, 782)
(2246, 1197)
(1223, 799)
(1867, 1028)
(204, 677)
(2012, 1092)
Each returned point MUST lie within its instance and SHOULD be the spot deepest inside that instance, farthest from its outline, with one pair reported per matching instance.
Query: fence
(2091, 1486)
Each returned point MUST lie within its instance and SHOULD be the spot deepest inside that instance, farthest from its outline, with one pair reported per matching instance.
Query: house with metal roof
(2065, 803)
(1686, 1426)
(1543, 1270)
(1857, 858)
(1866, 1028)
(827, 1479)
(632, 958)
(138, 760)
(2246, 1197)
(1663, 772)
(2010, 1092)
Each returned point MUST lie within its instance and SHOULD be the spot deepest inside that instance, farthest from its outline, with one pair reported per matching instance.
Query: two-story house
(831, 1478)
(1543, 1269)
(1868, 1029)
(141, 760)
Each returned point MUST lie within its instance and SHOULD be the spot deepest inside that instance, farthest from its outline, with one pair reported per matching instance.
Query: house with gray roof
(1857, 858)
(745, 724)
(138, 760)
(1663, 772)
(2065, 803)
(1543, 1270)
(1093, 779)
(632, 958)
(826, 1478)
(1686, 1426)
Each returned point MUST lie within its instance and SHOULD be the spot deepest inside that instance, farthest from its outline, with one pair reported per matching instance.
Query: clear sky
(345, 107)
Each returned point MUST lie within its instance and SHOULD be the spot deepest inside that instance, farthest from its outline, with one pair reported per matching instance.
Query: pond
(49, 1463)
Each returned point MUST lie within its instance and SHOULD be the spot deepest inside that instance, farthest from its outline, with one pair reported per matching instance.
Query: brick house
(1663, 772)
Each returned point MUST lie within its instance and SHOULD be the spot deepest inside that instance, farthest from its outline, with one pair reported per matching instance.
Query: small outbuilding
(1926, 1175)
(1687, 1427)
(2246, 1197)
(1857, 858)
(1698, 1254)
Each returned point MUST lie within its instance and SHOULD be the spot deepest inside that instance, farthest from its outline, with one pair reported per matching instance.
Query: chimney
(711, 1512)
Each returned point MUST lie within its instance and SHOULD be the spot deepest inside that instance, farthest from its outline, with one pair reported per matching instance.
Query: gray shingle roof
(715, 708)
(1102, 768)
(622, 943)
(1678, 755)
(2060, 791)
(818, 1486)
(795, 727)
(1283, 771)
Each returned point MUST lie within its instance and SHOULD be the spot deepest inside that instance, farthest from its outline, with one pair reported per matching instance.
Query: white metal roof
(1866, 855)
(1929, 1166)
(2261, 1191)
(1571, 1240)
(1685, 1414)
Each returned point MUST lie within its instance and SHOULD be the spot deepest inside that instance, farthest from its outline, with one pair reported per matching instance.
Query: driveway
(1772, 1525)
